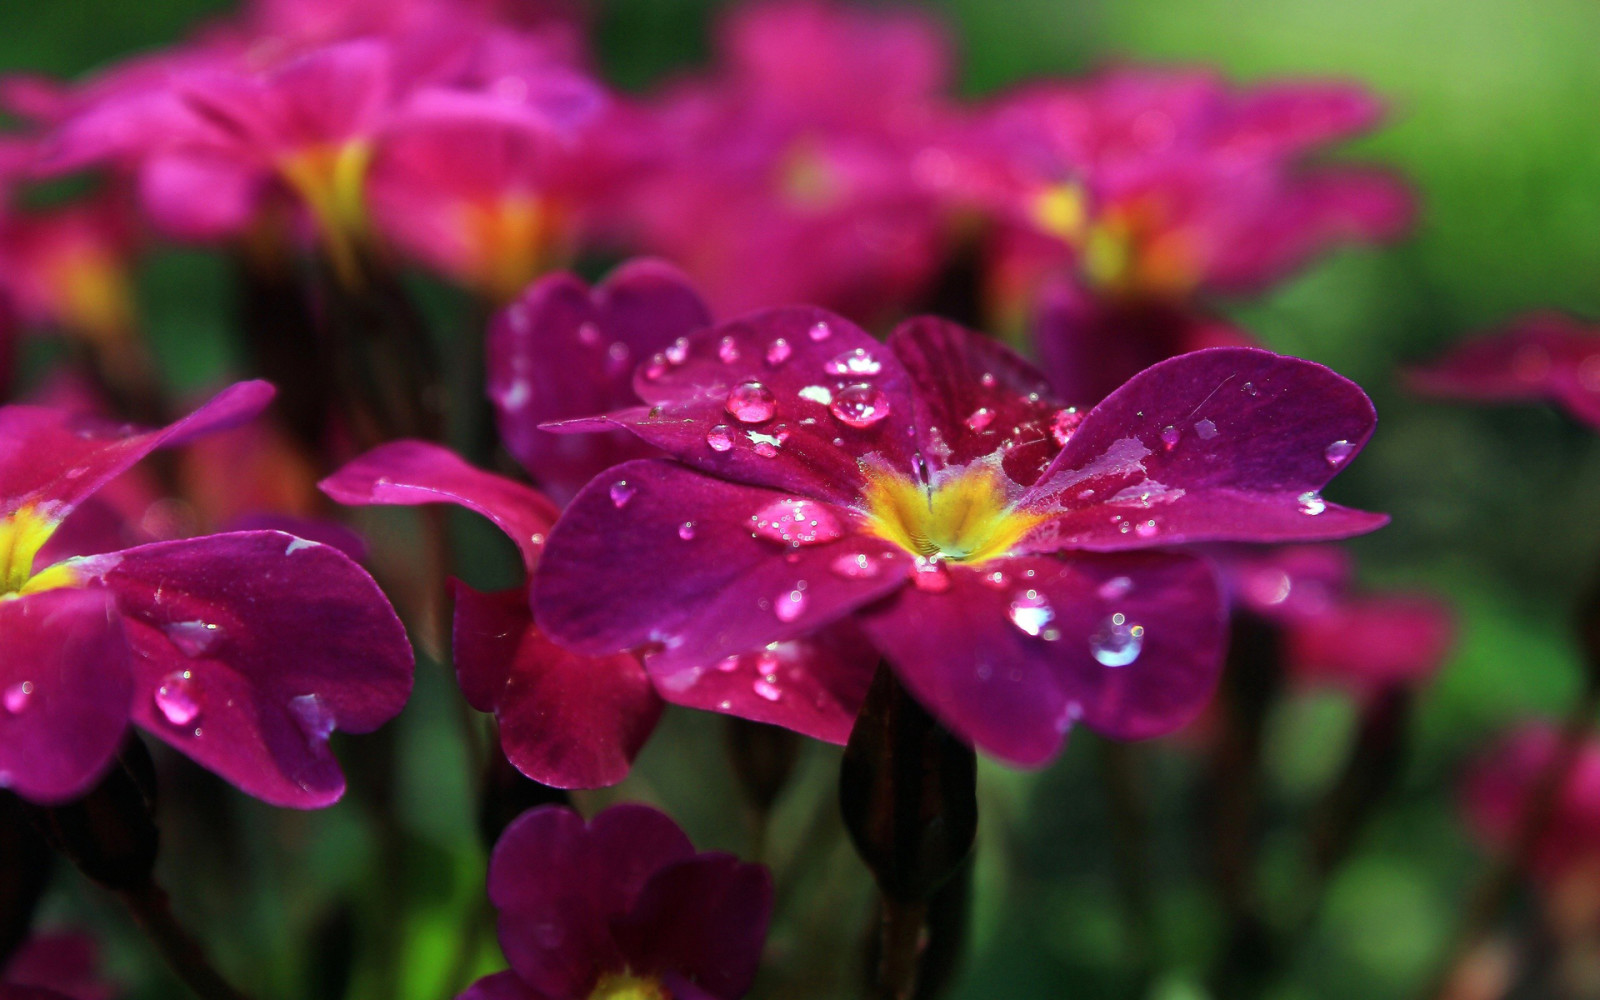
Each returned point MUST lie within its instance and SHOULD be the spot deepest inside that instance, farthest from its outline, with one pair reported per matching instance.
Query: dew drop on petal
(589, 334)
(656, 368)
(1115, 588)
(617, 357)
(994, 579)
(1338, 452)
(766, 449)
(16, 697)
(313, 716)
(987, 379)
(621, 492)
(178, 698)
(194, 638)
(1206, 429)
(790, 604)
(1064, 423)
(719, 438)
(778, 352)
(728, 664)
(857, 566)
(981, 417)
(1117, 642)
(765, 689)
(751, 403)
(860, 405)
(686, 531)
(1170, 436)
(930, 576)
(794, 521)
(820, 331)
(1145, 529)
(856, 361)
(678, 352)
(1030, 612)
(1311, 502)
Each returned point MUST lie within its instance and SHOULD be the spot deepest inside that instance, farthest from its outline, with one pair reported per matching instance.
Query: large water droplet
(193, 638)
(719, 438)
(178, 698)
(751, 402)
(16, 697)
(791, 604)
(860, 405)
(1206, 429)
(857, 566)
(1170, 436)
(778, 352)
(1338, 452)
(1031, 612)
(313, 716)
(930, 575)
(1311, 502)
(856, 361)
(820, 331)
(1064, 424)
(621, 492)
(981, 417)
(1117, 642)
(794, 521)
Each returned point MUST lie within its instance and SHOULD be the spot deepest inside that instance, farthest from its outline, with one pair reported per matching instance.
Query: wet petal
(618, 574)
(1132, 645)
(566, 720)
(416, 472)
(704, 918)
(64, 690)
(250, 648)
(1230, 443)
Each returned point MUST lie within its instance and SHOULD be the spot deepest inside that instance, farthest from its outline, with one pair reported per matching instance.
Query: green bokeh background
(1496, 120)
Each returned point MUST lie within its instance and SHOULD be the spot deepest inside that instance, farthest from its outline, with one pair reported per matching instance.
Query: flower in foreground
(1545, 357)
(621, 908)
(243, 650)
(984, 538)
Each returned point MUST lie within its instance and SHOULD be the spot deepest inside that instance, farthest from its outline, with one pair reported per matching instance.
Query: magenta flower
(1334, 634)
(564, 351)
(55, 965)
(621, 907)
(1545, 357)
(929, 490)
(1496, 797)
(242, 650)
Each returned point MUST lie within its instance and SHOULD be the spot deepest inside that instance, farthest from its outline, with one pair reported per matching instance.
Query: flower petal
(251, 648)
(1225, 444)
(566, 720)
(1010, 665)
(64, 691)
(500, 986)
(1543, 356)
(416, 472)
(654, 552)
(705, 918)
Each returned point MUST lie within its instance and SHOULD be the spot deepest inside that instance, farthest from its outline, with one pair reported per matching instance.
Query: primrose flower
(621, 908)
(1545, 357)
(984, 537)
(242, 650)
(1496, 792)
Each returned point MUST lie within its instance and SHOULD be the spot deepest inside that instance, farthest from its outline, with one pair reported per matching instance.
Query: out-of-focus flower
(58, 964)
(930, 489)
(1497, 791)
(1333, 634)
(242, 650)
(774, 179)
(1545, 357)
(621, 908)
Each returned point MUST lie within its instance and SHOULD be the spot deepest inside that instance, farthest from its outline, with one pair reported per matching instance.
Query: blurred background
(1495, 118)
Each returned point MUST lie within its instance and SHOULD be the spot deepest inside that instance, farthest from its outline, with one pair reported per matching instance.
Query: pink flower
(59, 966)
(1496, 799)
(1544, 357)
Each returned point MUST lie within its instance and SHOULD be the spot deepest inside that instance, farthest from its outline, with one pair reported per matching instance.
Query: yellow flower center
(808, 180)
(510, 241)
(331, 180)
(965, 517)
(1130, 250)
(1060, 211)
(93, 294)
(626, 986)
(22, 535)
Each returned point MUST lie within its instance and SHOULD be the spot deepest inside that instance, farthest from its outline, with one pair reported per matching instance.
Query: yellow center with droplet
(626, 986)
(964, 517)
(331, 180)
(22, 535)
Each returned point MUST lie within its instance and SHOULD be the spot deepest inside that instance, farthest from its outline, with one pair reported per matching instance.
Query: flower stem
(153, 911)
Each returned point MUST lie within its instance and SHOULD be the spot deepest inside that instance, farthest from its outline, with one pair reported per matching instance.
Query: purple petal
(813, 685)
(705, 918)
(1010, 663)
(654, 552)
(566, 720)
(562, 351)
(1544, 356)
(251, 648)
(415, 472)
(500, 986)
(51, 457)
(313, 529)
(64, 691)
(794, 369)
(1372, 643)
(1225, 444)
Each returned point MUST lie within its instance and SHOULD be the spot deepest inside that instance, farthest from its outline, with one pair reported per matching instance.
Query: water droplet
(766, 689)
(678, 352)
(1117, 642)
(1250, 389)
(1030, 612)
(719, 438)
(778, 352)
(1206, 429)
(656, 368)
(313, 716)
(790, 604)
(1064, 423)
(1311, 502)
(621, 492)
(856, 361)
(1170, 436)
(995, 579)
(751, 403)
(728, 350)
(1145, 529)
(1338, 452)
(686, 531)
(617, 357)
(797, 522)
(820, 331)
(857, 566)
(981, 417)
(588, 333)
(1114, 588)
(728, 664)
(177, 698)
(930, 575)
(193, 638)
(17, 696)
(987, 379)
(860, 405)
